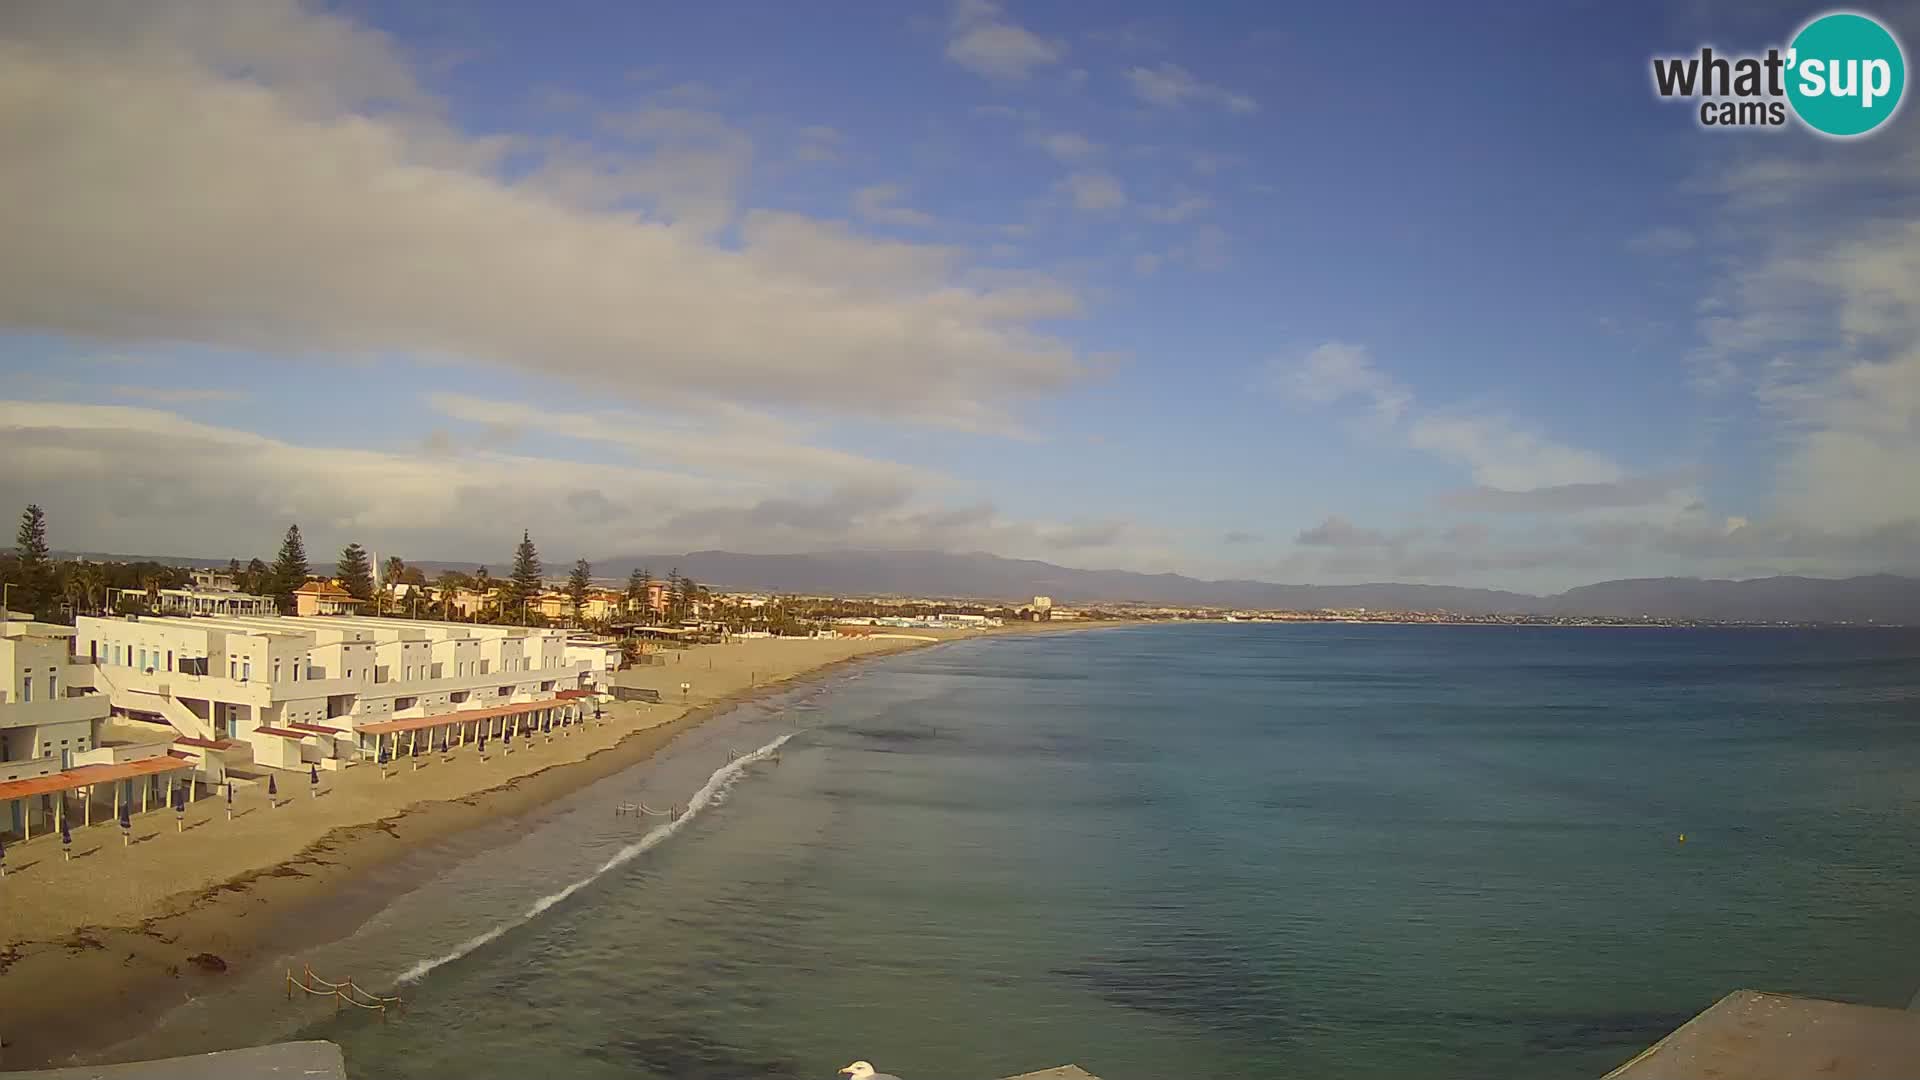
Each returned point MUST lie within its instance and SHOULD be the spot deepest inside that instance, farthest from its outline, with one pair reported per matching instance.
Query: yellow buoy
(1683, 838)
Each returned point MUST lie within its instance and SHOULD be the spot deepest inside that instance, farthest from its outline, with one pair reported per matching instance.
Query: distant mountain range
(1883, 598)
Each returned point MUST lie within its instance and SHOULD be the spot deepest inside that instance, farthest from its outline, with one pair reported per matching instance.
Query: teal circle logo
(1846, 74)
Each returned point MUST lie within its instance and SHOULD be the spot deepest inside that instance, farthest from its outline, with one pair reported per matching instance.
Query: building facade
(324, 598)
(48, 710)
(298, 688)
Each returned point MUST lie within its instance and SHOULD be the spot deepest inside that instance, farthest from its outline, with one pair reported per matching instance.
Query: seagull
(863, 1070)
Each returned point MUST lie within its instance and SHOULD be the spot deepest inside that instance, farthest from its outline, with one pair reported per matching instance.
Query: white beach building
(50, 749)
(324, 691)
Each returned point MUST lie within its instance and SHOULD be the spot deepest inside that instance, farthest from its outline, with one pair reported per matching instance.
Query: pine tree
(254, 578)
(396, 570)
(578, 583)
(688, 593)
(36, 567)
(355, 572)
(636, 590)
(673, 596)
(290, 569)
(526, 574)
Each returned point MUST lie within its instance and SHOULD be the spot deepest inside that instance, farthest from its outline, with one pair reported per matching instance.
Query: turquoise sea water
(1206, 851)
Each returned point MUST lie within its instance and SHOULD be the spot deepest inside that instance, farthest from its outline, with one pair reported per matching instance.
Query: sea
(1214, 850)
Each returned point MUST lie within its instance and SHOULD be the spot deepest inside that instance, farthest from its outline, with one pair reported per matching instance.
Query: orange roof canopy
(415, 723)
(90, 774)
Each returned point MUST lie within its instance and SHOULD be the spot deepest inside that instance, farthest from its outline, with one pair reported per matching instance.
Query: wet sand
(97, 947)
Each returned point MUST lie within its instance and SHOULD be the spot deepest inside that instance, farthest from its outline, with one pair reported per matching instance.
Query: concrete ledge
(1756, 1036)
(312, 1060)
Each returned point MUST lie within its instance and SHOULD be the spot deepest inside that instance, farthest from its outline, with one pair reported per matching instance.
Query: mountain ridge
(1883, 598)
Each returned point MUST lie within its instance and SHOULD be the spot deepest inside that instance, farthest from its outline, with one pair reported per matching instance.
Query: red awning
(573, 695)
(282, 732)
(415, 723)
(318, 729)
(90, 774)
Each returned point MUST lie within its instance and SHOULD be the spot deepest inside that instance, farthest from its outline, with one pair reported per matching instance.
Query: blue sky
(1356, 293)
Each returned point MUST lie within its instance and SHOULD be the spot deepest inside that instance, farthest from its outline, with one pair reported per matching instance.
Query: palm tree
(93, 579)
(75, 590)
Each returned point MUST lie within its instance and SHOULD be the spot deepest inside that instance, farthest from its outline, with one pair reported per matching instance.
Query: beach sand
(94, 948)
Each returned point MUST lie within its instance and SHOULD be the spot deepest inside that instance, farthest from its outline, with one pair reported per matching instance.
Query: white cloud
(1206, 249)
(1817, 318)
(1179, 210)
(144, 481)
(1065, 146)
(148, 195)
(819, 144)
(1169, 85)
(880, 204)
(984, 42)
(1496, 451)
(743, 447)
(176, 395)
(1094, 191)
(1662, 240)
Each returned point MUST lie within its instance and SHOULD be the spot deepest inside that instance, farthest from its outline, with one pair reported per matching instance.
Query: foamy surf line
(716, 784)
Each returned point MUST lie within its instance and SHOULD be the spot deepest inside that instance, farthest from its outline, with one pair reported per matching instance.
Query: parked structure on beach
(298, 690)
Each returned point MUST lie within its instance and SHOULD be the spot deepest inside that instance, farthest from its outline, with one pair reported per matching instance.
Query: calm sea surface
(1196, 851)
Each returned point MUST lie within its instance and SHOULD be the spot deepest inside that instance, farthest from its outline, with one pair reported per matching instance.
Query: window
(53, 686)
(233, 667)
(246, 669)
(169, 659)
(26, 689)
(276, 669)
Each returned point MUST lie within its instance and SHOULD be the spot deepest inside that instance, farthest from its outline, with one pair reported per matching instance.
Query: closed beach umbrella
(383, 759)
(3, 858)
(126, 824)
(313, 780)
(483, 742)
(66, 838)
(229, 800)
(179, 799)
(273, 789)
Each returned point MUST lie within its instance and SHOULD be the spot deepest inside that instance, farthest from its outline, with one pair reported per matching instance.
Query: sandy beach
(92, 948)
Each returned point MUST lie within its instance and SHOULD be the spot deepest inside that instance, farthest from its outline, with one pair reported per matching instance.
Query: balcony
(53, 711)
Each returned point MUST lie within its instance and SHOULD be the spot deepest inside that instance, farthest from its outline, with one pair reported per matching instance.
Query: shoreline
(74, 994)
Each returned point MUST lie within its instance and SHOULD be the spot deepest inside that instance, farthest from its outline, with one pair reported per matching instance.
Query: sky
(1354, 292)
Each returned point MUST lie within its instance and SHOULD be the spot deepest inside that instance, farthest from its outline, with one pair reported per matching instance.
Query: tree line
(57, 590)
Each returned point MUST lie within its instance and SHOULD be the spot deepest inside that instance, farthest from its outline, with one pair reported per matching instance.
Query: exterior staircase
(178, 716)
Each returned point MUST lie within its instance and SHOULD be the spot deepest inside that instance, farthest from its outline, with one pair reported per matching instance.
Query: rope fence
(340, 992)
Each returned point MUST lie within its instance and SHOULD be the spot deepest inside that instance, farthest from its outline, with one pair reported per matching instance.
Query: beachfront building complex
(48, 711)
(50, 744)
(306, 691)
